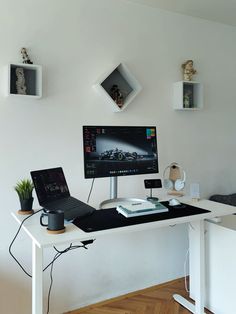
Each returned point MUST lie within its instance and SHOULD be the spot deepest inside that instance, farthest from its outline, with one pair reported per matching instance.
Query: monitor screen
(111, 151)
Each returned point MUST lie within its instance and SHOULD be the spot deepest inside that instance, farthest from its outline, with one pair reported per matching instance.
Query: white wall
(76, 41)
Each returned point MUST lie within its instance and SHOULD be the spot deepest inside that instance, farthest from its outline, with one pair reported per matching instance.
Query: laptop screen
(50, 185)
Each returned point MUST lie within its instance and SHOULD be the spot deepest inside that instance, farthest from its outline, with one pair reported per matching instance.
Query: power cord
(185, 271)
(91, 188)
(57, 255)
(186, 260)
(10, 246)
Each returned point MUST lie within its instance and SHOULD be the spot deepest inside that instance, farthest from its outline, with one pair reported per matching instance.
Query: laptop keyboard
(64, 204)
(71, 206)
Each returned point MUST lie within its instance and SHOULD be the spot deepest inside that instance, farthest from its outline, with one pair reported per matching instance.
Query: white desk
(220, 239)
(41, 239)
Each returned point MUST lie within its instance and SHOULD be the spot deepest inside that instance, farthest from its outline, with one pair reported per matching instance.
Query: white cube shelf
(188, 95)
(127, 84)
(33, 80)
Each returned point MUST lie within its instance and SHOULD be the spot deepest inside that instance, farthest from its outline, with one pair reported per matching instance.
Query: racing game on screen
(111, 151)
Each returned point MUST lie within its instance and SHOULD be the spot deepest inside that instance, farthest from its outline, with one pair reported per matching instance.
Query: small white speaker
(195, 191)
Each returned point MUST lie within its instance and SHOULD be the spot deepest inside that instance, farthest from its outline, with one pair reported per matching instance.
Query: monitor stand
(114, 201)
(113, 187)
(152, 198)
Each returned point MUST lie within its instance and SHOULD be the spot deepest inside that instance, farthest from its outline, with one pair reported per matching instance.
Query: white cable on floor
(185, 271)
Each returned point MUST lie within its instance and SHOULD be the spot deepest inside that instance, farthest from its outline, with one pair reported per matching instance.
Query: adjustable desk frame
(40, 240)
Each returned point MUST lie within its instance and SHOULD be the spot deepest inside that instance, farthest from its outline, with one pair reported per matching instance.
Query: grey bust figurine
(25, 56)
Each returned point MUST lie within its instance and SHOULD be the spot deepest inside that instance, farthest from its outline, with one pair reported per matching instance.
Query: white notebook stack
(134, 209)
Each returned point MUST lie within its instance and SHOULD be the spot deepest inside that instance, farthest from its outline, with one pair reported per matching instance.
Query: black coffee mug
(55, 220)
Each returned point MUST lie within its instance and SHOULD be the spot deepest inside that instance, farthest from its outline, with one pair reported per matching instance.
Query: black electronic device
(112, 151)
(152, 183)
(53, 193)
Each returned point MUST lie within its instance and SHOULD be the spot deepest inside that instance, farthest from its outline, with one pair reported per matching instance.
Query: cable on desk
(51, 280)
(91, 188)
(10, 246)
(69, 248)
(61, 252)
(58, 254)
(185, 271)
(186, 260)
(191, 226)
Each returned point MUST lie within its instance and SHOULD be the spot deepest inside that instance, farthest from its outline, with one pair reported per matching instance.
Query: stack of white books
(141, 208)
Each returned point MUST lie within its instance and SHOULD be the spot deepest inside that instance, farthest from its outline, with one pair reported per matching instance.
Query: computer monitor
(112, 151)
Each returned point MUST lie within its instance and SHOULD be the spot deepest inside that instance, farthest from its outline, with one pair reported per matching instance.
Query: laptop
(53, 194)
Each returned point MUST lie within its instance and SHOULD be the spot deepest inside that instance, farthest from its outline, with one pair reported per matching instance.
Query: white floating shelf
(33, 80)
(127, 84)
(188, 95)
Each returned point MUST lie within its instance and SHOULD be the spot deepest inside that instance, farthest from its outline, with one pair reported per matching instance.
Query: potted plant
(24, 189)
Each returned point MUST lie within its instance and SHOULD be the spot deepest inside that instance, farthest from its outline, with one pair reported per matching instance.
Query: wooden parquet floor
(154, 300)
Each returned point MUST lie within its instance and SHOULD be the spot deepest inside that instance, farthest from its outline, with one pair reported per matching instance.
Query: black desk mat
(109, 218)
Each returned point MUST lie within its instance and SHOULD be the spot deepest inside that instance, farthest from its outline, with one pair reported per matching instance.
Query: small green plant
(24, 189)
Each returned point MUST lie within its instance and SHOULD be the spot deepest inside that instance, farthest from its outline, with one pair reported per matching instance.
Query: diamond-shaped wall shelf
(118, 86)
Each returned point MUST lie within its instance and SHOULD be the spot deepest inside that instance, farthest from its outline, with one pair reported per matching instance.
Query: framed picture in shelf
(188, 95)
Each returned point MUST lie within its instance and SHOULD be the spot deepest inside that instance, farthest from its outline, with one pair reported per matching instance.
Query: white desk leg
(199, 247)
(37, 279)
